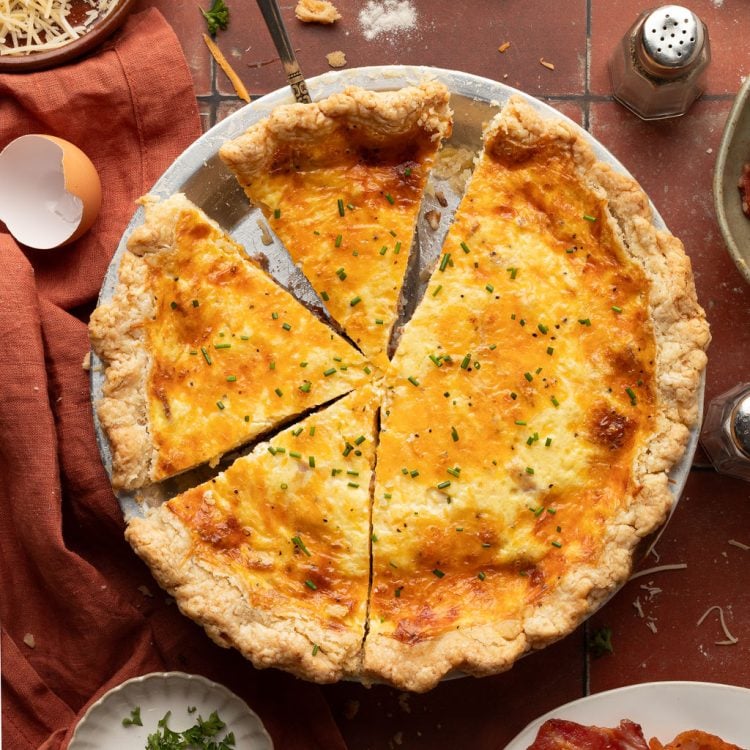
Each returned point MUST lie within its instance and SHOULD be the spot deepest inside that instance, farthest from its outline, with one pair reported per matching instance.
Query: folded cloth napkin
(79, 612)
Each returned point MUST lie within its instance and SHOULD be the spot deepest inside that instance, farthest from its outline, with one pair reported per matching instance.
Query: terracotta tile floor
(674, 162)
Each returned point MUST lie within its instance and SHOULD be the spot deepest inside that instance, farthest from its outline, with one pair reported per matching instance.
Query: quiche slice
(340, 181)
(539, 396)
(203, 350)
(272, 556)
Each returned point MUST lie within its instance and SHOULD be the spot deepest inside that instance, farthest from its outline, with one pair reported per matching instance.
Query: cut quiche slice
(272, 556)
(340, 181)
(539, 396)
(203, 350)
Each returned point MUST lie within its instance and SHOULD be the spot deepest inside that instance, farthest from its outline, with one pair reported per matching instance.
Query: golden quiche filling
(474, 498)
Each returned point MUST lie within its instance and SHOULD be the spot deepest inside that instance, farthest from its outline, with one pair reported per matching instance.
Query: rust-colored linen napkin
(79, 612)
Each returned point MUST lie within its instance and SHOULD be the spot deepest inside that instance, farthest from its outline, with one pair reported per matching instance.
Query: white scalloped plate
(663, 709)
(101, 726)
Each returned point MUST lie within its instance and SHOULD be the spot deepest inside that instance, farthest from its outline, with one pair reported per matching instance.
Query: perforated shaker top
(672, 36)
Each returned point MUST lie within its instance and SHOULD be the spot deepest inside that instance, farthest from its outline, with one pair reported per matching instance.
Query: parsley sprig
(217, 16)
(203, 735)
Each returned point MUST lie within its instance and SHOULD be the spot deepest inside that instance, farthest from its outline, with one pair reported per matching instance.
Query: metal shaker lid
(740, 424)
(673, 37)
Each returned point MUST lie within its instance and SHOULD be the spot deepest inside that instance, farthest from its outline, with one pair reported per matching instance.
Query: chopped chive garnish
(554, 401)
(278, 392)
(550, 350)
(281, 450)
(361, 439)
(556, 544)
(397, 592)
(383, 250)
(329, 371)
(312, 431)
(528, 376)
(631, 393)
(465, 248)
(543, 328)
(205, 355)
(310, 585)
(413, 380)
(286, 326)
(407, 171)
(277, 213)
(443, 485)
(374, 537)
(352, 484)
(245, 338)
(294, 454)
(297, 432)
(194, 351)
(437, 290)
(387, 495)
(490, 288)
(514, 396)
(324, 296)
(616, 309)
(529, 470)
(272, 366)
(303, 364)
(222, 346)
(436, 360)
(300, 545)
(341, 273)
(389, 198)
(305, 387)
(444, 261)
(513, 272)
(275, 315)
(271, 450)
(538, 370)
(354, 301)
(589, 217)
(454, 472)
(378, 321)
(414, 473)
(352, 473)
(548, 442)
(347, 450)
(584, 321)
(339, 238)
(521, 423)
(231, 378)
(341, 206)
(454, 434)
(367, 369)
(173, 305)
(397, 248)
(459, 529)
(481, 576)
(220, 404)
(570, 250)
(438, 573)
(466, 361)
(311, 461)
(315, 649)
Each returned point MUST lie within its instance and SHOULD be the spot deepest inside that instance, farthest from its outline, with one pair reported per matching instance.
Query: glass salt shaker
(726, 432)
(658, 68)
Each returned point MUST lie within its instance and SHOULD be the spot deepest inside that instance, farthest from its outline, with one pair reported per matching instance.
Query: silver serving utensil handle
(275, 23)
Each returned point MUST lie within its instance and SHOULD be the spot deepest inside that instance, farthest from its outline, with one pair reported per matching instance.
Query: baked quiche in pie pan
(392, 386)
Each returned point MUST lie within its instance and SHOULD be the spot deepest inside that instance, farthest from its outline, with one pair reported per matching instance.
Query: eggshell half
(50, 192)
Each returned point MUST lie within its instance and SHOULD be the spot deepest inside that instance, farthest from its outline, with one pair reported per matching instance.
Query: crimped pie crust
(681, 335)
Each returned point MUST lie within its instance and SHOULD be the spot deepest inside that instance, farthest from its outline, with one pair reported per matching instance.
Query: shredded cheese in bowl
(28, 26)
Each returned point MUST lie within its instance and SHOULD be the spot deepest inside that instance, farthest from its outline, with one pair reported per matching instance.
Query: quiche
(203, 350)
(340, 181)
(272, 556)
(539, 396)
(468, 501)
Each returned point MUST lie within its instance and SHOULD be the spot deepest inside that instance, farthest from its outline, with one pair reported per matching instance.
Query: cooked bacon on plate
(559, 734)
(694, 740)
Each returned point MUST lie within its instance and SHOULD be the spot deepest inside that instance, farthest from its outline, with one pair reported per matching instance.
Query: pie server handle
(275, 24)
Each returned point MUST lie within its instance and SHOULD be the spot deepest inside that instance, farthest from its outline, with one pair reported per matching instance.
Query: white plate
(101, 726)
(663, 709)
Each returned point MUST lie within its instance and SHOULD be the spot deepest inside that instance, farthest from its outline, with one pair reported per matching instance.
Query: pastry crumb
(86, 364)
(146, 591)
(403, 702)
(265, 235)
(29, 640)
(433, 219)
(316, 11)
(548, 65)
(336, 59)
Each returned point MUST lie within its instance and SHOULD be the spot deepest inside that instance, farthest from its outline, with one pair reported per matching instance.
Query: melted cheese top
(232, 353)
(346, 214)
(522, 387)
(291, 519)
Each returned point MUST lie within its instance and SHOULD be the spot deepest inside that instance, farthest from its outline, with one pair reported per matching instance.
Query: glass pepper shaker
(726, 432)
(658, 68)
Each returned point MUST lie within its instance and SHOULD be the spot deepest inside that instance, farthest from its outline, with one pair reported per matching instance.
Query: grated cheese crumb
(638, 607)
(651, 625)
(503, 47)
(740, 545)
(29, 640)
(657, 569)
(548, 65)
(730, 639)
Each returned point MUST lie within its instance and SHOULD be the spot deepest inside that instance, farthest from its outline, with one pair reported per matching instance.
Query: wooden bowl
(100, 30)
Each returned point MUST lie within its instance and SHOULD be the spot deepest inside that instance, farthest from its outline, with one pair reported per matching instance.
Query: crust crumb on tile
(336, 59)
(316, 11)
